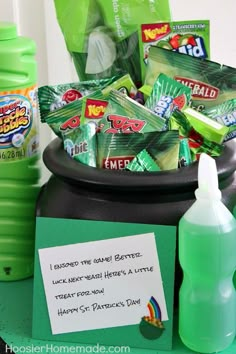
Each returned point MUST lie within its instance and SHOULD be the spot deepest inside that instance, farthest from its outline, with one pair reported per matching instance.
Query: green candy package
(102, 35)
(69, 116)
(80, 144)
(185, 157)
(123, 84)
(55, 97)
(124, 115)
(93, 110)
(197, 142)
(224, 114)
(116, 151)
(143, 162)
(187, 37)
(167, 95)
(211, 83)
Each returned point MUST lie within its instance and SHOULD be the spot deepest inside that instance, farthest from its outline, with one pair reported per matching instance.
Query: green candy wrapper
(187, 37)
(69, 116)
(93, 110)
(125, 115)
(197, 143)
(211, 83)
(167, 95)
(116, 151)
(185, 157)
(143, 162)
(52, 98)
(224, 114)
(80, 144)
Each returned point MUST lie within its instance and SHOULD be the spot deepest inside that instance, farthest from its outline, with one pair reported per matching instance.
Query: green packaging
(209, 129)
(187, 37)
(167, 95)
(116, 151)
(124, 115)
(143, 162)
(225, 114)
(211, 83)
(102, 35)
(185, 157)
(93, 110)
(197, 142)
(80, 144)
(123, 84)
(52, 98)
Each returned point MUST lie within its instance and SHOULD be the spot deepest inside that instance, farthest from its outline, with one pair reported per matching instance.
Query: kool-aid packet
(187, 37)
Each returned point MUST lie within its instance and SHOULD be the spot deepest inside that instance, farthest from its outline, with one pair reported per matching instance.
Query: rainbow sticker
(154, 308)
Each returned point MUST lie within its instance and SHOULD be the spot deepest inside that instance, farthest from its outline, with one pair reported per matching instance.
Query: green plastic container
(19, 142)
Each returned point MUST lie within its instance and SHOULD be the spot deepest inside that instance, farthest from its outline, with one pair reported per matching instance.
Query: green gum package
(224, 114)
(102, 35)
(124, 115)
(80, 144)
(187, 37)
(211, 83)
(167, 95)
(116, 151)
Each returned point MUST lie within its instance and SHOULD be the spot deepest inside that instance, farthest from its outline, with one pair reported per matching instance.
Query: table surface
(16, 319)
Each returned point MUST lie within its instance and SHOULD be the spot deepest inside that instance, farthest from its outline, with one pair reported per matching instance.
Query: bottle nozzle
(208, 185)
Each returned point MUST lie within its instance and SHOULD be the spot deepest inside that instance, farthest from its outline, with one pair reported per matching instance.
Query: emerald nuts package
(187, 37)
(211, 83)
(102, 35)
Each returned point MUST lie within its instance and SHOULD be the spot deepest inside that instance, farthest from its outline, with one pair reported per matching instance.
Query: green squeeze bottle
(19, 142)
(207, 244)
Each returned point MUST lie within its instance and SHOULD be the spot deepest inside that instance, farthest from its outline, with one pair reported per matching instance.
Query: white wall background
(37, 19)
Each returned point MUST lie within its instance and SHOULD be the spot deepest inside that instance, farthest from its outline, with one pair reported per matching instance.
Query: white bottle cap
(208, 186)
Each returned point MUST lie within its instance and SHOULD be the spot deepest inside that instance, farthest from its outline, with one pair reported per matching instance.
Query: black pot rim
(71, 171)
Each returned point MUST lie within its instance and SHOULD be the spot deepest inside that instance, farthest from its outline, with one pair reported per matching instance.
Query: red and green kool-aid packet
(124, 115)
(211, 83)
(187, 37)
(116, 151)
(167, 95)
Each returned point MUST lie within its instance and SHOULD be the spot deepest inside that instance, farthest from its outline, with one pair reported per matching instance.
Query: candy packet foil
(69, 117)
(124, 115)
(167, 95)
(93, 111)
(197, 142)
(187, 37)
(80, 144)
(143, 162)
(116, 151)
(185, 157)
(102, 35)
(224, 114)
(211, 83)
(55, 97)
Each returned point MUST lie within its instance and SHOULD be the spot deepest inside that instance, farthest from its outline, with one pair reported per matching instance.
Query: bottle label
(18, 124)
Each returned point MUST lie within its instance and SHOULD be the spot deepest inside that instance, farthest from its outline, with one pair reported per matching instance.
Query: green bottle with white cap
(207, 244)
(19, 153)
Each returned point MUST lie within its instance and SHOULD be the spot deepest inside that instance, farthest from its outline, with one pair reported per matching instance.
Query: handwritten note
(101, 284)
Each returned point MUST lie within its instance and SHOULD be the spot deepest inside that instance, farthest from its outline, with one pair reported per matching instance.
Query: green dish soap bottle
(19, 156)
(207, 244)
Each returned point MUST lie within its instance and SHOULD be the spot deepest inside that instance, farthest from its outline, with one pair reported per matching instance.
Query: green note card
(104, 282)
